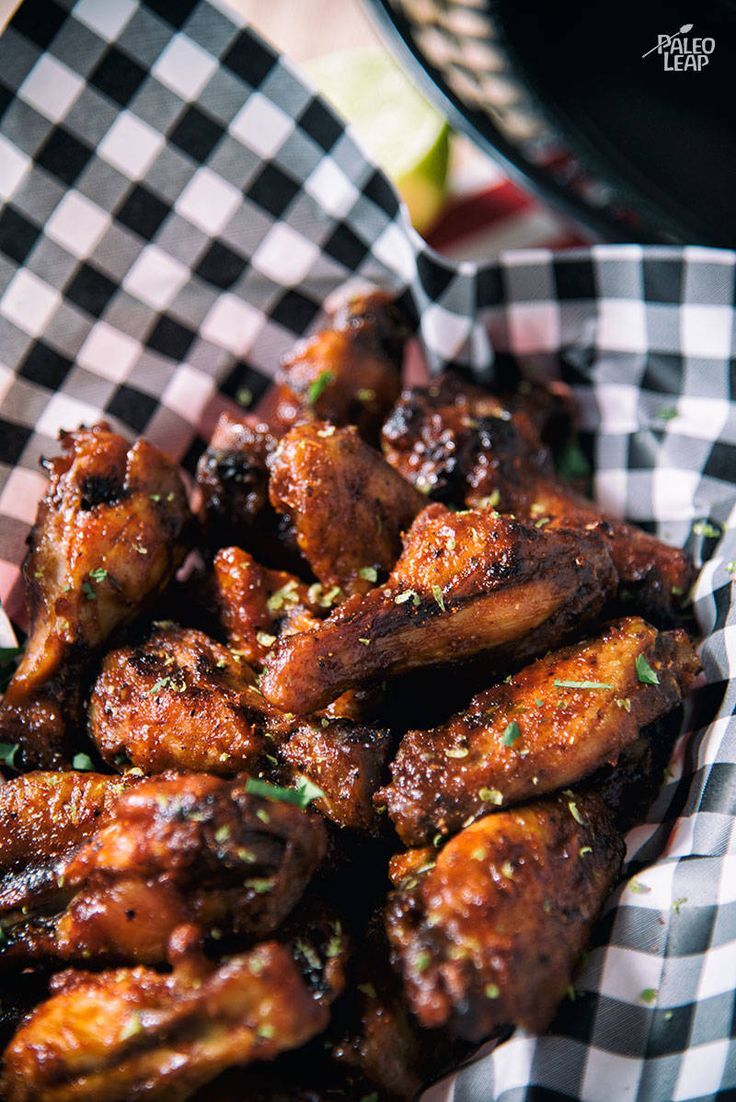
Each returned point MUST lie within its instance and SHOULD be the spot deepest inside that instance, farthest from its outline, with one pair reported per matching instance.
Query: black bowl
(638, 148)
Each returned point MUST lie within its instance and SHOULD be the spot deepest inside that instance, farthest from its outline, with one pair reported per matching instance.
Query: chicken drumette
(180, 849)
(133, 1033)
(489, 934)
(546, 727)
(465, 583)
(349, 508)
(108, 536)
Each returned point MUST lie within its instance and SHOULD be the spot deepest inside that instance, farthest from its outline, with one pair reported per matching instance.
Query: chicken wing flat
(232, 475)
(108, 536)
(656, 575)
(134, 1033)
(490, 934)
(179, 849)
(349, 508)
(465, 583)
(349, 373)
(44, 818)
(257, 605)
(177, 701)
(442, 437)
(550, 725)
(347, 761)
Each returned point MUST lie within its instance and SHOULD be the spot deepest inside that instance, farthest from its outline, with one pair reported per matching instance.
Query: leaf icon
(686, 27)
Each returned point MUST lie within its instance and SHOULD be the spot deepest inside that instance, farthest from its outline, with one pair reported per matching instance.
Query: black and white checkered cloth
(177, 206)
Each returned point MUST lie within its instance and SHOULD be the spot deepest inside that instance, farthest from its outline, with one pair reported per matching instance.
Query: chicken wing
(465, 583)
(347, 761)
(490, 934)
(348, 507)
(546, 727)
(180, 849)
(349, 373)
(131, 1033)
(257, 605)
(178, 701)
(232, 475)
(108, 536)
(44, 819)
(442, 437)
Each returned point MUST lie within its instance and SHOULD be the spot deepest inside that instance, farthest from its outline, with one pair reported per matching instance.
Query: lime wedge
(394, 123)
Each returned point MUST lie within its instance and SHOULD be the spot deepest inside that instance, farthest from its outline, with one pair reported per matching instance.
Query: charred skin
(113, 1036)
(490, 934)
(178, 850)
(465, 583)
(109, 534)
(348, 507)
(178, 701)
(349, 373)
(530, 736)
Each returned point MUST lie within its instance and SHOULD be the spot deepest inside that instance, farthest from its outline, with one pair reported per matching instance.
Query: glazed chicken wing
(465, 583)
(257, 605)
(177, 701)
(135, 1033)
(108, 536)
(44, 818)
(232, 475)
(349, 508)
(348, 373)
(546, 727)
(490, 934)
(186, 849)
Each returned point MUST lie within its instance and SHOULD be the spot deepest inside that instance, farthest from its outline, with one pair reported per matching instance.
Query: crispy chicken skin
(232, 475)
(134, 1033)
(179, 849)
(658, 576)
(348, 373)
(349, 508)
(347, 761)
(442, 437)
(490, 934)
(256, 605)
(465, 583)
(177, 701)
(44, 818)
(109, 534)
(534, 733)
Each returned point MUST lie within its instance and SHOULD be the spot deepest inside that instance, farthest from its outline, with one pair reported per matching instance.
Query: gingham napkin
(178, 206)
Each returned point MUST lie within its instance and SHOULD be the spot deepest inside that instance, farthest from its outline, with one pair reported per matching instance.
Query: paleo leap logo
(682, 54)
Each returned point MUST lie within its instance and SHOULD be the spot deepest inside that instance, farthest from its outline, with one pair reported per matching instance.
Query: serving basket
(178, 207)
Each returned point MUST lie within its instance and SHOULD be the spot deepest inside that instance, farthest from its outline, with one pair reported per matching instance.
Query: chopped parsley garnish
(98, 574)
(730, 568)
(89, 591)
(301, 795)
(511, 734)
(585, 849)
(491, 796)
(422, 961)
(666, 413)
(649, 995)
(368, 573)
(677, 905)
(581, 685)
(708, 530)
(318, 386)
(437, 594)
(456, 752)
(265, 639)
(367, 989)
(407, 595)
(8, 750)
(644, 671)
(260, 885)
(491, 991)
(83, 762)
(623, 702)
(283, 595)
(243, 396)
(638, 888)
(491, 501)
(573, 807)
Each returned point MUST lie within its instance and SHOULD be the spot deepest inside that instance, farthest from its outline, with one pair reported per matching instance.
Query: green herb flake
(98, 574)
(491, 796)
(491, 501)
(649, 995)
(260, 885)
(222, 834)
(367, 989)
(575, 812)
(368, 573)
(132, 1026)
(730, 568)
(8, 750)
(407, 595)
(243, 396)
(365, 394)
(507, 870)
(266, 1030)
(335, 944)
(456, 752)
(437, 594)
(638, 888)
(668, 1015)
(83, 762)
(581, 685)
(89, 591)
(645, 673)
(265, 639)
(666, 413)
(707, 530)
(678, 904)
(318, 386)
(301, 795)
(511, 734)
(623, 702)
(422, 961)
(154, 497)
(572, 463)
(491, 991)
(584, 850)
